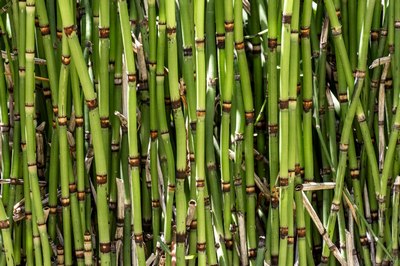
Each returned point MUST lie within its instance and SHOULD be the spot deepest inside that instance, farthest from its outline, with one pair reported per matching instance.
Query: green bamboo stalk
(134, 160)
(101, 167)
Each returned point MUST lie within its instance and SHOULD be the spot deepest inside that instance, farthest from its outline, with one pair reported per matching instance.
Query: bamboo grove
(199, 132)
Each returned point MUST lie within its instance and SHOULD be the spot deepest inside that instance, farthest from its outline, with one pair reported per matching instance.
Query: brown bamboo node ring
(290, 240)
(200, 42)
(374, 83)
(171, 187)
(101, 179)
(397, 24)
(79, 121)
(17, 117)
(220, 39)
(4, 224)
(384, 32)
(273, 129)
(249, 117)
(46, 92)
(176, 104)
(211, 167)
(53, 209)
(45, 30)
(104, 122)
(81, 195)
(250, 189)
(305, 32)
(361, 118)
(200, 183)
(69, 30)
(201, 247)
(28, 215)
(307, 105)
(226, 106)
(171, 31)
(239, 46)
(272, 43)
(72, 188)
(117, 81)
(388, 83)
(207, 201)
(396, 126)
(112, 205)
(226, 186)
(354, 173)
(138, 238)
(193, 126)
(374, 35)
(301, 232)
(283, 181)
(131, 77)
(91, 104)
(338, 13)
(4, 128)
(201, 113)
(364, 241)
(396, 188)
(343, 97)
(274, 260)
(252, 253)
(324, 259)
(105, 247)
(283, 232)
(180, 237)
(153, 134)
(29, 105)
(21, 69)
(62, 120)
(65, 202)
(286, 18)
(343, 147)
(167, 100)
(256, 49)
(336, 31)
(134, 161)
(283, 104)
(239, 137)
(155, 203)
(181, 174)
(360, 74)
(193, 224)
(191, 157)
(104, 32)
(335, 207)
(188, 51)
(152, 63)
(229, 26)
(395, 252)
(79, 253)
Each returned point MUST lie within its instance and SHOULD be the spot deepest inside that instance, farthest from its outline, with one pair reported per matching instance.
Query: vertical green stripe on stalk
(91, 101)
(180, 135)
(30, 129)
(134, 159)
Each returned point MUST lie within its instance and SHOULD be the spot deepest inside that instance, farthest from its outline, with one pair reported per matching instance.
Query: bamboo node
(118, 81)
(239, 46)
(200, 113)
(220, 39)
(360, 74)
(335, 207)
(286, 18)
(343, 147)
(69, 30)
(191, 157)
(4, 224)
(305, 32)
(200, 183)
(79, 253)
(226, 186)
(211, 167)
(101, 179)
(91, 104)
(46, 92)
(252, 253)
(273, 129)
(104, 122)
(374, 83)
(181, 174)
(250, 189)
(81, 195)
(104, 33)
(180, 237)
(65, 202)
(256, 49)
(176, 104)
(229, 25)
(272, 43)
(62, 120)
(72, 188)
(324, 259)
(283, 181)
(201, 247)
(284, 104)
(343, 97)
(388, 83)
(274, 260)
(226, 106)
(207, 201)
(395, 252)
(105, 247)
(155, 203)
(53, 209)
(171, 187)
(299, 187)
(193, 224)
(301, 232)
(374, 35)
(131, 78)
(17, 117)
(364, 241)
(5, 128)
(249, 117)
(307, 105)
(397, 24)
(354, 173)
(193, 126)
(45, 30)
(188, 51)
(336, 31)
(79, 121)
(384, 32)
(283, 232)
(290, 240)
(171, 30)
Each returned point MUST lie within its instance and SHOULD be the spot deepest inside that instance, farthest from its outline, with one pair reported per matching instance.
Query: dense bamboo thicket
(199, 132)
